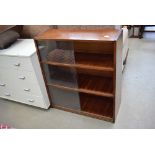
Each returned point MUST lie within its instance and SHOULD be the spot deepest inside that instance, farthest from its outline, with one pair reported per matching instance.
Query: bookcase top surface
(107, 34)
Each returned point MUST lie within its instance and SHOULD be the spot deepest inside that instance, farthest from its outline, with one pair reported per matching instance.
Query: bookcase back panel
(94, 47)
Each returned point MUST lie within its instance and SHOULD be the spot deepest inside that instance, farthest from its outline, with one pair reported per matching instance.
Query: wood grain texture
(96, 105)
(95, 83)
(101, 117)
(98, 64)
(108, 34)
(94, 47)
(85, 27)
(94, 60)
(94, 72)
(82, 90)
(80, 66)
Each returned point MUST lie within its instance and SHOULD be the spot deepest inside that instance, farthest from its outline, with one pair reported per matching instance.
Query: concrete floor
(137, 109)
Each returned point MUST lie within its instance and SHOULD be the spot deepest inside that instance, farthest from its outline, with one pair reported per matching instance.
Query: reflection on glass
(65, 98)
(57, 51)
(61, 76)
(58, 76)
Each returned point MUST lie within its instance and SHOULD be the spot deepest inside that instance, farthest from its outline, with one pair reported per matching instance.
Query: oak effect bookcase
(82, 70)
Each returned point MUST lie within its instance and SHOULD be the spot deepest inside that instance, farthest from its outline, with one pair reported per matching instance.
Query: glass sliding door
(57, 58)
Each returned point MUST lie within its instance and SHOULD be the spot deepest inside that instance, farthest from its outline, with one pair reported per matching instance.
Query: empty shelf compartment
(96, 105)
(95, 60)
(98, 85)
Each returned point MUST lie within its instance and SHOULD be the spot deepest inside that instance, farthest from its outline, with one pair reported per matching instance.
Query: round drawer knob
(17, 65)
(22, 77)
(7, 94)
(26, 89)
(31, 100)
(3, 85)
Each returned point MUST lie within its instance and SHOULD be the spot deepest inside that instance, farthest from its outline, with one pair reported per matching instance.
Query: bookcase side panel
(118, 74)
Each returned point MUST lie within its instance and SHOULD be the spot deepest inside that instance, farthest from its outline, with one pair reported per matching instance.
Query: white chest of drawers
(20, 75)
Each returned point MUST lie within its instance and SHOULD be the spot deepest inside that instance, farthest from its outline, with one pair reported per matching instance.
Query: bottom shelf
(96, 105)
(84, 113)
(83, 103)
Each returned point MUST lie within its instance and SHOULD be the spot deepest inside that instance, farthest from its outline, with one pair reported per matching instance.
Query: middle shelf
(66, 58)
(85, 83)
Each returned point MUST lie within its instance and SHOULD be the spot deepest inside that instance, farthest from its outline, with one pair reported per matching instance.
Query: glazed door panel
(54, 55)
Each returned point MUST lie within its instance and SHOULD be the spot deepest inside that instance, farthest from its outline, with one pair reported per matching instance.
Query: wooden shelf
(86, 65)
(96, 85)
(95, 60)
(66, 58)
(97, 105)
(97, 116)
(80, 35)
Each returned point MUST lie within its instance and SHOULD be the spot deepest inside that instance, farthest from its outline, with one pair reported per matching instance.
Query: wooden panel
(96, 105)
(108, 34)
(88, 61)
(81, 66)
(101, 117)
(94, 72)
(95, 83)
(97, 60)
(92, 27)
(82, 90)
(94, 47)
(100, 86)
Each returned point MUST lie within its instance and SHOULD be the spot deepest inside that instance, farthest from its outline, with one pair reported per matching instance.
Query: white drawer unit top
(21, 78)
(22, 47)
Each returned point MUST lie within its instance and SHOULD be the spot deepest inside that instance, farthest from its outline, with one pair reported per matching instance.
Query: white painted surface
(125, 45)
(20, 75)
(22, 47)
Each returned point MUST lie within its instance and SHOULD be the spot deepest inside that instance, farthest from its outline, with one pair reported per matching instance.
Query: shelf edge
(83, 90)
(78, 66)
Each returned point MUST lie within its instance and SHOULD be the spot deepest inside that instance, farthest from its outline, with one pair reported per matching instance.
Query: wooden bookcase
(82, 70)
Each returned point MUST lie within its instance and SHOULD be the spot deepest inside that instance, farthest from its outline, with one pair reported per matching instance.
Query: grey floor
(138, 98)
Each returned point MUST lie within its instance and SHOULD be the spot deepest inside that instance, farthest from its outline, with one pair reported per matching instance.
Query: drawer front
(5, 92)
(23, 87)
(30, 89)
(25, 64)
(27, 78)
(28, 83)
(29, 99)
(17, 81)
(7, 76)
(23, 98)
(8, 62)
(20, 63)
